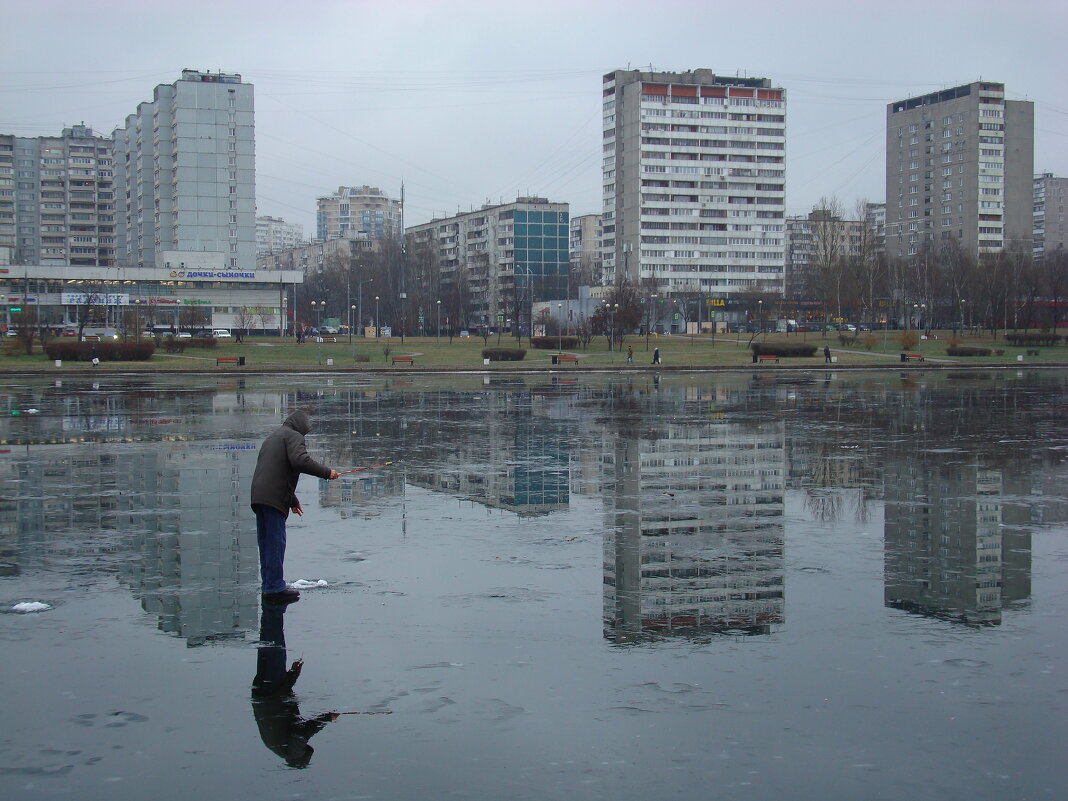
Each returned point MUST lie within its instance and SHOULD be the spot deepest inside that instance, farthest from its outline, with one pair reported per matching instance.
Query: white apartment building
(273, 235)
(694, 182)
(57, 203)
(959, 164)
(1048, 213)
(185, 176)
(359, 211)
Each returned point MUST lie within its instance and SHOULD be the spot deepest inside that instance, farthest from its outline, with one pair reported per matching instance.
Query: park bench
(238, 360)
(768, 357)
(328, 339)
(912, 357)
(403, 360)
(565, 357)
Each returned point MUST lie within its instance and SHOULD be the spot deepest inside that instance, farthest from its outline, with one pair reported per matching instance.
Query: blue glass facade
(540, 252)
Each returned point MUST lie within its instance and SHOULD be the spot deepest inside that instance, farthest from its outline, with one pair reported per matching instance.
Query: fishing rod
(358, 469)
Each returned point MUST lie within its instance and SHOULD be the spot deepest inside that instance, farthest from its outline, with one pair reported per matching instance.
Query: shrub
(363, 357)
(174, 345)
(107, 351)
(968, 350)
(201, 342)
(552, 343)
(869, 341)
(504, 354)
(908, 339)
(1033, 339)
(784, 349)
(954, 341)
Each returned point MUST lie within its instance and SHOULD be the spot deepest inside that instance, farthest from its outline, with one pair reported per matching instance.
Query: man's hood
(299, 422)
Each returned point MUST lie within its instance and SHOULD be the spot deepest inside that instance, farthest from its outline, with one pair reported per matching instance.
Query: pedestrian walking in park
(826, 354)
(630, 354)
(283, 457)
(656, 355)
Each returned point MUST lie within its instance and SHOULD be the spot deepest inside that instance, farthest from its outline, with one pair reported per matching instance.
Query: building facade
(499, 259)
(57, 202)
(1048, 209)
(274, 235)
(359, 212)
(816, 240)
(694, 182)
(185, 176)
(584, 249)
(959, 164)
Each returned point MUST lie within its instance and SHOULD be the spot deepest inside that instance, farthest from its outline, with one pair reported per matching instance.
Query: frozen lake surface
(792, 586)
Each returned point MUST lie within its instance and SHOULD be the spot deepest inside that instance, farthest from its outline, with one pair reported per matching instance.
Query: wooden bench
(768, 357)
(239, 360)
(565, 357)
(403, 360)
(328, 339)
(912, 357)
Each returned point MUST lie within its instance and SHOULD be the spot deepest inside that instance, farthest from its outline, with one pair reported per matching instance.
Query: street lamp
(559, 327)
(378, 331)
(962, 304)
(318, 309)
(437, 329)
(352, 344)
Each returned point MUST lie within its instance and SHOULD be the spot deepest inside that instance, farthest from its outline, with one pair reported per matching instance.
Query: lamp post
(378, 331)
(318, 309)
(962, 317)
(437, 328)
(559, 327)
(352, 344)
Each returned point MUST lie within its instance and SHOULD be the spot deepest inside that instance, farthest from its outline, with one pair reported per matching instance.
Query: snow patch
(30, 606)
(305, 584)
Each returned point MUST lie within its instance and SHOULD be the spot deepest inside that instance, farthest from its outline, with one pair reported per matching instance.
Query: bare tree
(829, 241)
(1053, 274)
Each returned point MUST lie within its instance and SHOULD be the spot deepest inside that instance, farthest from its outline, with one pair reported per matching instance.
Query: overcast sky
(470, 102)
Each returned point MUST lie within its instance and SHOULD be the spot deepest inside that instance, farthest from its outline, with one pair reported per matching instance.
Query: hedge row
(504, 354)
(784, 349)
(552, 343)
(175, 345)
(968, 350)
(1033, 339)
(106, 351)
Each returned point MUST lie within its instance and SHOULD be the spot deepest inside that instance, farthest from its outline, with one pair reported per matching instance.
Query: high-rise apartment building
(693, 181)
(817, 241)
(359, 211)
(185, 176)
(584, 246)
(959, 164)
(499, 259)
(1048, 210)
(274, 235)
(57, 203)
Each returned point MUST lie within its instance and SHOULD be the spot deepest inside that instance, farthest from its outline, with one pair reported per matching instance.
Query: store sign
(211, 274)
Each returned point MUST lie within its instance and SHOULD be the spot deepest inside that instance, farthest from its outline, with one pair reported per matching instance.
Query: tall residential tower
(959, 164)
(185, 176)
(693, 182)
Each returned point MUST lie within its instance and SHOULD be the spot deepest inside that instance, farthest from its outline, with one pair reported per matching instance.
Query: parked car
(184, 335)
(329, 329)
(70, 332)
(11, 332)
(221, 333)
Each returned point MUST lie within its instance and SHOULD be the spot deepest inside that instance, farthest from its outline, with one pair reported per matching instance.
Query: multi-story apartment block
(1048, 211)
(959, 164)
(500, 258)
(359, 211)
(693, 182)
(315, 257)
(584, 248)
(274, 235)
(817, 240)
(185, 176)
(57, 203)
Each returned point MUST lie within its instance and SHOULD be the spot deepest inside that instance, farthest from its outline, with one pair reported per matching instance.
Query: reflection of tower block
(355, 494)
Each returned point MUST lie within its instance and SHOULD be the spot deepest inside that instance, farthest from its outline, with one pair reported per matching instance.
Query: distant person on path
(93, 357)
(630, 354)
(826, 354)
(656, 355)
(283, 457)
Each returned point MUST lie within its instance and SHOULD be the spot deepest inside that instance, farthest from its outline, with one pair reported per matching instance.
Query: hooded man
(283, 457)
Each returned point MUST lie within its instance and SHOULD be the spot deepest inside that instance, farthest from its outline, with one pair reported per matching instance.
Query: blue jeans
(271, 537)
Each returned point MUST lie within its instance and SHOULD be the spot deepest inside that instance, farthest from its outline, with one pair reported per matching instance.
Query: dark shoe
(281, 598)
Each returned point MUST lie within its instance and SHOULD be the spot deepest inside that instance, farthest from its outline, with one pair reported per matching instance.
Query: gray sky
(468, 102)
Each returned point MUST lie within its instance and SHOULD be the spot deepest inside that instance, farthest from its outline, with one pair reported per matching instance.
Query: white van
(220, 333)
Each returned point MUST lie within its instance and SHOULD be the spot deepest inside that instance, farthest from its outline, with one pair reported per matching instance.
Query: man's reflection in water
(275, 706)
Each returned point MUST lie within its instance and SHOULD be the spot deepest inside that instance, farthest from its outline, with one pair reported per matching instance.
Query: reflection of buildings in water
(356, 495)
(520, 460)
(694, 541)
(955, 547)
(189, 516)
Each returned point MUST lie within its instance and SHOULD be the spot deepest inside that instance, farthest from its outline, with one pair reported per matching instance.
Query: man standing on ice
(283, 457)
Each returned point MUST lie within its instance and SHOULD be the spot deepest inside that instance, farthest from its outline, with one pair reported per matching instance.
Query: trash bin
(904, 358)
(556, 360)
(241, 361)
